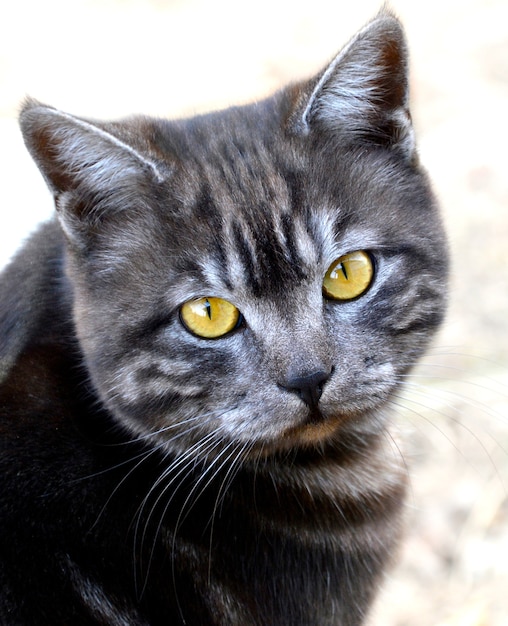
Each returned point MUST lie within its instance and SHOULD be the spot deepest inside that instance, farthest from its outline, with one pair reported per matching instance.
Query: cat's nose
(308, 387)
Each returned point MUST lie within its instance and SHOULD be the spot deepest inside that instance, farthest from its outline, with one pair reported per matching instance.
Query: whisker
(143, 456)
(457, 422)
(182, 516)
(467, 383)
(197, 453)
(148, 436)
(229, 477)
(419, 389)
(183, 462)
(427, 420)
(397, 450)
(185, 510)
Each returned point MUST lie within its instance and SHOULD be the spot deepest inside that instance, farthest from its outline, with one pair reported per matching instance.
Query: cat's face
(256, 279)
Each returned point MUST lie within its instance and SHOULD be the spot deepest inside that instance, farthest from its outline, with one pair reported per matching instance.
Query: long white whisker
(183, 462)
(467, 383)
(455, 421)
(144, 452)
(183, 512)
(418, 389)
(211, 468)
(143, 456)
(230, 475)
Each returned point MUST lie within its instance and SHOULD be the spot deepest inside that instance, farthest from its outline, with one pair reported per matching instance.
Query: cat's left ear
(364, 92)
(84, 162)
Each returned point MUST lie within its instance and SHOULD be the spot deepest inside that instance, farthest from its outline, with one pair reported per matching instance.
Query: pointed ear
(83, 161)
(364, 92)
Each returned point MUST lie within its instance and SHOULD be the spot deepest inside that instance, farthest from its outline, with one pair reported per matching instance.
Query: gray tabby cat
(199, 356)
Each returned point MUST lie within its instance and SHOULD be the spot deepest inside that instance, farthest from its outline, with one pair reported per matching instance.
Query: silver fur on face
(229, 223)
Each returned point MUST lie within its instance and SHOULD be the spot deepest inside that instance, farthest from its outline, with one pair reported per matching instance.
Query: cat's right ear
(85, 159)
(364, 93)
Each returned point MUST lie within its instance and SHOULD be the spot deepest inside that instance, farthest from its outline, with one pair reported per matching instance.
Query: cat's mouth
(315, 417)
(316, 429)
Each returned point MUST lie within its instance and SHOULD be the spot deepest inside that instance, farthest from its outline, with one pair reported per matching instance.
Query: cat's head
(257, 278)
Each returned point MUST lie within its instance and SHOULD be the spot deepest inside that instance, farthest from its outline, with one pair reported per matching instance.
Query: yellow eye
(348, 277)
(209, 317)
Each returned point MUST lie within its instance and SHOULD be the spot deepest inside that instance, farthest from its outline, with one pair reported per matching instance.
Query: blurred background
(111, 58)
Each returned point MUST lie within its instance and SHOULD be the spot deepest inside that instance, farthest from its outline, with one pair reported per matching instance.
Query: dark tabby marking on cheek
(162, 464)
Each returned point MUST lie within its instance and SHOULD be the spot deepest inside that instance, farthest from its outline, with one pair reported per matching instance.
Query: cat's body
(151, 474)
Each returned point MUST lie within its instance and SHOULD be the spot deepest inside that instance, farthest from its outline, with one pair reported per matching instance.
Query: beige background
(116, 57)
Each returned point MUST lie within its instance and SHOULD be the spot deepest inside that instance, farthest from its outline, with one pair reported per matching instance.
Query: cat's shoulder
(31, 287)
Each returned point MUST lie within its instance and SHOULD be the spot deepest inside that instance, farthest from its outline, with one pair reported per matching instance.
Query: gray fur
(250, 205)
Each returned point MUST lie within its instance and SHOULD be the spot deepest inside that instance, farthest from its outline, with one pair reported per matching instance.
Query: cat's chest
(281, 551)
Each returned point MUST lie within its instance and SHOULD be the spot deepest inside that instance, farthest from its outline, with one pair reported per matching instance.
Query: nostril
(309, 387)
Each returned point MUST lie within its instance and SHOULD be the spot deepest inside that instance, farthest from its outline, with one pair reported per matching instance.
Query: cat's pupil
(208, 309)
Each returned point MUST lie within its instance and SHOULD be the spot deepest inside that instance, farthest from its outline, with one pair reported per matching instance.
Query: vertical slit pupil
(344, 271)
(208, 307)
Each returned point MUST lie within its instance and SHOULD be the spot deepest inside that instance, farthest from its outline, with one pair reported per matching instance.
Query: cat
(199, 356)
